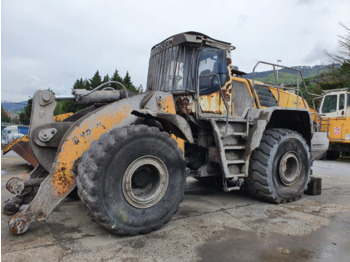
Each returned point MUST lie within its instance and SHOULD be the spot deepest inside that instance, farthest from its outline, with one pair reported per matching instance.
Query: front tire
(132, 179)
(280, 167)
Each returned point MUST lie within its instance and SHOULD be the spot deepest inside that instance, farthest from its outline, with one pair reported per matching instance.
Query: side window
(329, 104)
(341, 101)
(212, 70)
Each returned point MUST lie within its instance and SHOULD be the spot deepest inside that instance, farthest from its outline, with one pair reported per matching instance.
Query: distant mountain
(289, 77)
(14, 107)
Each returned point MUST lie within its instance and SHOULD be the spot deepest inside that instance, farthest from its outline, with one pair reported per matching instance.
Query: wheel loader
(129, 155)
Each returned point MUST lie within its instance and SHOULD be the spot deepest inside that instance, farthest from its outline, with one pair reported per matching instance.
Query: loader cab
(196, 65)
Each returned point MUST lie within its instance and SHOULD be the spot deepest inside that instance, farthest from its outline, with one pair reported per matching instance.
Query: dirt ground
(210, 226)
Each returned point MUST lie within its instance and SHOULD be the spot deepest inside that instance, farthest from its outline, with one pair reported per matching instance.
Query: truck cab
(335, 116)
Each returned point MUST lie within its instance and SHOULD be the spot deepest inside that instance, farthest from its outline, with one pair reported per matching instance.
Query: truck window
(329, 104)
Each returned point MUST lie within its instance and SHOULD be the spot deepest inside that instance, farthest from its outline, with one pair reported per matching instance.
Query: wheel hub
(289, 168)
(145, 182)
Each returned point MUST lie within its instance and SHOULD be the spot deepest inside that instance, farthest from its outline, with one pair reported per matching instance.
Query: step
(236, 161)
(223, 134)
(229, 189)
(230, 120)
(235, 176)
(234, 147)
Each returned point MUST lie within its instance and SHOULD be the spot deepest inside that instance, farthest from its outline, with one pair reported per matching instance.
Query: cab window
(329, 104)
(341, 101)
(212, 70)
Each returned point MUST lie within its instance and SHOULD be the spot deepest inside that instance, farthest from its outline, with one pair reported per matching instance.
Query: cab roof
(192, 38)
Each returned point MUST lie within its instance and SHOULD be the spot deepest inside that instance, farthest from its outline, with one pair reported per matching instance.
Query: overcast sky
(53, 43)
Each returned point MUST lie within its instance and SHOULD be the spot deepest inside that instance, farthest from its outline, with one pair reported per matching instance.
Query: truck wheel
(132, 179)
(280, 167)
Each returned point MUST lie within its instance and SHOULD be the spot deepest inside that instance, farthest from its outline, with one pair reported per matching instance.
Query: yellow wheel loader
(129, 155)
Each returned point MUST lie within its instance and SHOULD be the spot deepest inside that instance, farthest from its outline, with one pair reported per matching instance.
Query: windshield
(173, 68)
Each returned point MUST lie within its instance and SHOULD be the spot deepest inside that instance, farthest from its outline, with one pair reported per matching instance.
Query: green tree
(118, 78)
(79, 84)
(96, 80)
(24, 117)
(105, 79)
(338, 78)
(4, 116)
(128, 83)
(86, 84)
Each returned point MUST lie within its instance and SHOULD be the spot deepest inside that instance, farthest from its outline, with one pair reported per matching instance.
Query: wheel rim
(145, 182)
(289, 168)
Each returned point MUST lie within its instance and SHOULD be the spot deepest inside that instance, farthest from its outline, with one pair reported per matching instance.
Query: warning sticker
(337, 130)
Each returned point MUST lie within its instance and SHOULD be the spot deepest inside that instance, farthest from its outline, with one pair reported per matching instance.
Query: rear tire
(280, 167)
(132, 179)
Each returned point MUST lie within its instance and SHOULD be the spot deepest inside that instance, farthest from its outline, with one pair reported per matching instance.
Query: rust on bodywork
(184, 105)
(62, 179)
(213, 103)
(79, 141)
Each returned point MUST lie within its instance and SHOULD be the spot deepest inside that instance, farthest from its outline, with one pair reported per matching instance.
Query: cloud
(305, 2)
(60, 41)
(316, 55)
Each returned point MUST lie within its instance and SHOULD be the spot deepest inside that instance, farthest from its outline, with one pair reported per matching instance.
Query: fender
(299, 120)
(176, 123)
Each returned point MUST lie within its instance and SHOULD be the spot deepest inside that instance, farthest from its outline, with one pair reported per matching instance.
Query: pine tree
(106, 79)
(128, 83)
(118, 78)
(79, 84)
(96, 80)
(86, 84)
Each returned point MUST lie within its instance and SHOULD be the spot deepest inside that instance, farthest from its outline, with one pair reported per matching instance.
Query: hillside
(289, 77)
(14, 107)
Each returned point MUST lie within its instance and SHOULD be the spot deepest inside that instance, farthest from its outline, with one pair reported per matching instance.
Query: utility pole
(278, 61)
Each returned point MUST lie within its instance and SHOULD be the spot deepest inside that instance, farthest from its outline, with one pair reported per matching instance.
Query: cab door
(334, 106)
(215, 88)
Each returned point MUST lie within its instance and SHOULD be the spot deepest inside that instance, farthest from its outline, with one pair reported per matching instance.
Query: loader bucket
(22, 148)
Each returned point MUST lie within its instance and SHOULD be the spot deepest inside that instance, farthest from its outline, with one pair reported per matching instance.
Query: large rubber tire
(132, 179)
(280, 167)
